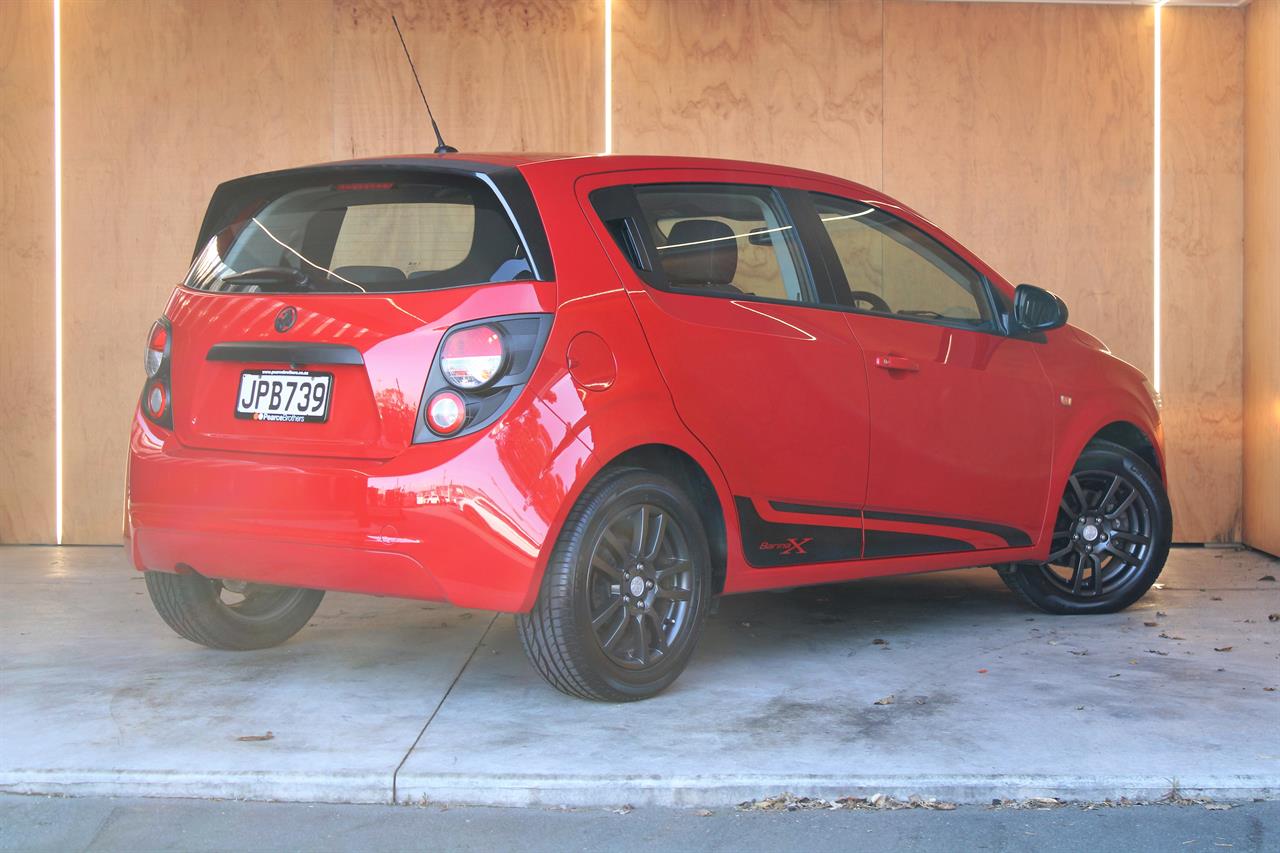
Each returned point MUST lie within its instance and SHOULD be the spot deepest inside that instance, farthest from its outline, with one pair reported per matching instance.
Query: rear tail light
(157, 401)
(157, 347)
(446, 413)
(478, 372)
(472, 358)
(156, 396)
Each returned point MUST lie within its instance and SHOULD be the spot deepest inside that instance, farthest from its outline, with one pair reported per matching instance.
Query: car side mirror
(1037, 310)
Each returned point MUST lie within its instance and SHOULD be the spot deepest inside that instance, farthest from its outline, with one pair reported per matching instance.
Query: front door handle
(896, 362)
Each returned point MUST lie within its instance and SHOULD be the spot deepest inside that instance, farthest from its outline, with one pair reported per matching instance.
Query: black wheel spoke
(616, 544)
(617, 634)
(1077, 576)
(1079, 492)
(603, 565)
(1130, 536)
(642, 646)
(606, 614)
(674, 593)
(1097, 575)
(1124, 504)
(1120, 554)
(1062, 552)
(656, 538)
(1110, 493)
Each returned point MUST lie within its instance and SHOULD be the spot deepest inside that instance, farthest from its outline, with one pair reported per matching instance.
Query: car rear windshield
(363, 237)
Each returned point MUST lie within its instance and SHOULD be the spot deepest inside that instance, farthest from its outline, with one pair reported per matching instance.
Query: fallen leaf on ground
(1271, 578)
(1170, 636)
(1217, 807)
(879, 642)
(1161, 613)
(888, 700)
(1157, 652)
(1223, 649)
(982, 672)
(1215, 598)
(704, 812)
(624, 810)
(1273, 617)
(267, 736)
(1149, 624)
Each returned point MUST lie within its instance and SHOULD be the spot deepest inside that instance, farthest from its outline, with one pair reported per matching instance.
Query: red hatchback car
(598, 391)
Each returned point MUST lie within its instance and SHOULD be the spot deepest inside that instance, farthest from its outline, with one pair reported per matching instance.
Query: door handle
(896, 362)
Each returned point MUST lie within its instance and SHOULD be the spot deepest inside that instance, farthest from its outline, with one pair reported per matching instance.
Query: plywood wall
(1024, 130)
(231, 87)
(1262, 278)
(796, 82)
(26, 272)
(1202, 268)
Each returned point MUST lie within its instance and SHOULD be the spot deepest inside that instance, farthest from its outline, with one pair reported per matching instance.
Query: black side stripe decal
(811, 509)
(1012, 535)
(768, 544)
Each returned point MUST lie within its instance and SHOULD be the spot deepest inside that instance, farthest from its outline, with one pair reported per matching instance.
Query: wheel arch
(1131, 437)
(686, 472)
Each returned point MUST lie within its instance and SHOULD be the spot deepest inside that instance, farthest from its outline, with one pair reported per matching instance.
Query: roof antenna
(441, 148)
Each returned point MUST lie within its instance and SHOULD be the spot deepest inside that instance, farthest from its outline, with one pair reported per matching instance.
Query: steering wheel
(872, 299)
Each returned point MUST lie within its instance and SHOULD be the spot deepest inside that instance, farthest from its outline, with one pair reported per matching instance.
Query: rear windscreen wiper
(269, 279)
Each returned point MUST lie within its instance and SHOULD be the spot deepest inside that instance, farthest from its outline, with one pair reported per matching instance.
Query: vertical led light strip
(57, 270)
(608, 76)
(1155, 201)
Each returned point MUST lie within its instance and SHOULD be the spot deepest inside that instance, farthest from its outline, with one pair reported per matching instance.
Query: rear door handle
(896, 362)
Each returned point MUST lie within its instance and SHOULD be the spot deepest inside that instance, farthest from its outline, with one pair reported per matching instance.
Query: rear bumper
(461, 521)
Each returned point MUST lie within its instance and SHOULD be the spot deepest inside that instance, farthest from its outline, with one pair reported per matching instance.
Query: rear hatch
(317, 299)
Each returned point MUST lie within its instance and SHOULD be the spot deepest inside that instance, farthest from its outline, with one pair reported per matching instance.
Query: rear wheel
(1110, 539)
(625, 592)
(225, 614)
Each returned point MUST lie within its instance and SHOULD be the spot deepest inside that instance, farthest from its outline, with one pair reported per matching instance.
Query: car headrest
(700, 252)
(371, 274)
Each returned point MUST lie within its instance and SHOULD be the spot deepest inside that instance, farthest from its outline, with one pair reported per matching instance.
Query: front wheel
(1110, 539)
(625, 592)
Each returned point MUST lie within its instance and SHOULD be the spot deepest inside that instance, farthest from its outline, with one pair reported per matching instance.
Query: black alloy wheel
(640, 586)
(625, 592)
(1110, 538)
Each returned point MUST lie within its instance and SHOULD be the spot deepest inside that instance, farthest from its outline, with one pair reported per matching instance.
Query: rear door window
(724, 239)
(364, 237)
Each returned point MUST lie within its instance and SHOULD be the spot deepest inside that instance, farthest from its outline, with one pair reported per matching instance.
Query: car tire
(625, 592)
(253, 616)
(1110, 539)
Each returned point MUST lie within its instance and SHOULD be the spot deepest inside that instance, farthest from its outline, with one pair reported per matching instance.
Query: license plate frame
(288, 411)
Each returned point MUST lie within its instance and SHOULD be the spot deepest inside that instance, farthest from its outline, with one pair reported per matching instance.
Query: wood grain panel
(1026, 132)
(1202, 218)
(26, 272)
(500, 76)
(162, 101)
(1262, 278)
(797, 83)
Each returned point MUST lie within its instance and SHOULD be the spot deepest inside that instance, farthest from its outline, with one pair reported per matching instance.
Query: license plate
(292, 396)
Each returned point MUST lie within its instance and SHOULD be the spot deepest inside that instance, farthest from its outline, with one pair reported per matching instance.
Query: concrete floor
(384, 700)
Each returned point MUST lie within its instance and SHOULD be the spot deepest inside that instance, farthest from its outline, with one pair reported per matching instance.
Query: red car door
(771, 384)
(961, 416)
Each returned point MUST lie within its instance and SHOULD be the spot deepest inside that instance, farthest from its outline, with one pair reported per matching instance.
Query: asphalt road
(75, 824)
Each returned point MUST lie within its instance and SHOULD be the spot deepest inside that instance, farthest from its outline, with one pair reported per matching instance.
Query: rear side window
(725, 239)
(364, 237)
(895, 268)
